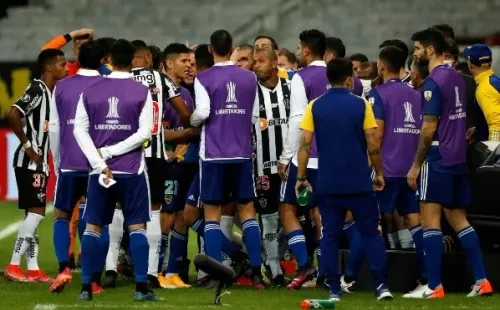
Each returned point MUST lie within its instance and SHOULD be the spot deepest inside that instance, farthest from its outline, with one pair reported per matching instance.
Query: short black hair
(46, 56)
(288, 54)
(338, 70)
(422, 67)
(203, 57)
(315, 40)
(139, 44)
(453, 49)
(122, 53)
(106, 43)
(446, 29)
(157, 56)
(90, 55)
(273, 41)
(336, 46)
(397, 43)
(463, 67)
(358, 57)
(221, 42)
(393, 58)
(431, 37)
(176, 49)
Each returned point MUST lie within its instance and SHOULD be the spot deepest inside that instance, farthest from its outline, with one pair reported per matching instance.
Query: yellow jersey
(488, 98)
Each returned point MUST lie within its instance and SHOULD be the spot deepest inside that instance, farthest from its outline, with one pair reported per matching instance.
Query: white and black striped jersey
(162, 90)
(34, 105)
(271, 131)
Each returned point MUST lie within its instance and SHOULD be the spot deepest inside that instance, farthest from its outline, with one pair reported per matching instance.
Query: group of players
(159, 142)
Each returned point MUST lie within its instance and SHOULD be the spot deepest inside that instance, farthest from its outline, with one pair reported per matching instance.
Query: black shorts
(268, 191)
(156, 176)
(32, 188)
(178, 179)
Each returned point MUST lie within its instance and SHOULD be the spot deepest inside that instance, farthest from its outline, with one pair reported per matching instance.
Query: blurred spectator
(357, 59)
(287, 60)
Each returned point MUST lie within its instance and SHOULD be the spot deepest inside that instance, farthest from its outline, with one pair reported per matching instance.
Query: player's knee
(412, 220)
(191, 214)
(246, 211)
(156, 206)
(457, 218)
(92, 227)
(61, 215)
(37, 210)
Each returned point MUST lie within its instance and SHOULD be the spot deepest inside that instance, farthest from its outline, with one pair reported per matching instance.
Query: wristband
(301, 179)
(27, 145)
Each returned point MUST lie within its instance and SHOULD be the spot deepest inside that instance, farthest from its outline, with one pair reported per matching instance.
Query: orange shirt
(59, 42)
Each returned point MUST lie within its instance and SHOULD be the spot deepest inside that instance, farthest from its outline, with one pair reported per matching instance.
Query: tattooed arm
(427, 132)
(304, 150)
(374, 152)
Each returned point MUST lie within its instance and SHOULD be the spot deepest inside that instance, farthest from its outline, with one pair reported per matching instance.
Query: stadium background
(25, 25)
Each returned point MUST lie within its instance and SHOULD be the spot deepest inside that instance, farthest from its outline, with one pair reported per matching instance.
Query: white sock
(390, 239)
(153, 232)
(25, 233)
(32, 253)
(226, 225)
(115, 238)
(405, 239)
(270, 242)
(201, 273)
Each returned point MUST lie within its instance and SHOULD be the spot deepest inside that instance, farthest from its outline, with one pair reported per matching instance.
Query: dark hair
(245, 47)
(431, 37)
(122, 53)
(106, 44)
(358, 57)
(274, 44)
(446, 29)
(393, 58)
(289, 55)
(336, 46)
(157, 56)
(397, 43)
(410, 61)
(315, 40)
(422, 67)
(221, 42)
(90, 55)
(338, 70)
(453, 48)
(203, 57)
(46, 56)
(176, 49)
(463, 67)
(139, 44)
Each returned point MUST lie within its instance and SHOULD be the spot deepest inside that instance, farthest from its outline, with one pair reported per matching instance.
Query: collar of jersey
(339, 90)
(225, 63)
(88, 72)
(483, 75)
(120, 75)
(318, 63)
(396, 80)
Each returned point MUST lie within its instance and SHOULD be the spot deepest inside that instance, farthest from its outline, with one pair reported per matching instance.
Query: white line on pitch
(12, 228)
(122, 306)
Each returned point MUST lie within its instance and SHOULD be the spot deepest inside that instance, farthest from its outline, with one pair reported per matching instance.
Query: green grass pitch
(36, 296)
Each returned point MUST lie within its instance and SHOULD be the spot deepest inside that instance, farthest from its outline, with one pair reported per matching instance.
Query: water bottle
(317, 304)
(303, 198)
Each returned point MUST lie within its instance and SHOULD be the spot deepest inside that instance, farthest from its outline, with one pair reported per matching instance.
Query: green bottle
(304, 196)
(317, 304)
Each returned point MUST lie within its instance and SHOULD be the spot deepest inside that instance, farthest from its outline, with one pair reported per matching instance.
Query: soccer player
(419, 72)
(270, 134)
(368, 75)
(179, 174)
(227, 106)
(403, 74)
(288, 61)
(397, 109)
(267, 42)
(441, 161)
(70, 163)
(29, 119)
(307, 84)
(114, 118)
(341, 119)
(357, 59)
(244, 56)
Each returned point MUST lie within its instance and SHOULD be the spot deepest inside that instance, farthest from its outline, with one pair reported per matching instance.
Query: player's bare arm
(374, 154)
(304, 150)
(182, 110)
(15, 120)
(426, 134)
(181, 136)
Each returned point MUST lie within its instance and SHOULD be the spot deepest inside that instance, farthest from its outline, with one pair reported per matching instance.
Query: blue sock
(177, 241)
(163, 248)
(228, 246)
(90, 250)
(297, 243)
(251, 236)
(61, 240)
(103, 250)
(199, 226)
(318, 259)
(185, 245)
(213, 242)
(433, 249)
(470, 244)
(356, 253)
(139, 248)
(81, 221)
(418, 239)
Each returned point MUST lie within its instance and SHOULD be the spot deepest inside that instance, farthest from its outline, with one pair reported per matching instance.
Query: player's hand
(378, 183)
(283, 171)
(470, 135)
(412, 176)
(82, 32)
(301, 185)
(108, 174)
(34, 156)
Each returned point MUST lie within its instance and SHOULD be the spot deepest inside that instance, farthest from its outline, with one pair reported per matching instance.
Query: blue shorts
(219, 181)
(397, 195)
(70, 187)
(287, 192)
(130, 190)
(193, 195)
(449, 190)
(179, 177)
